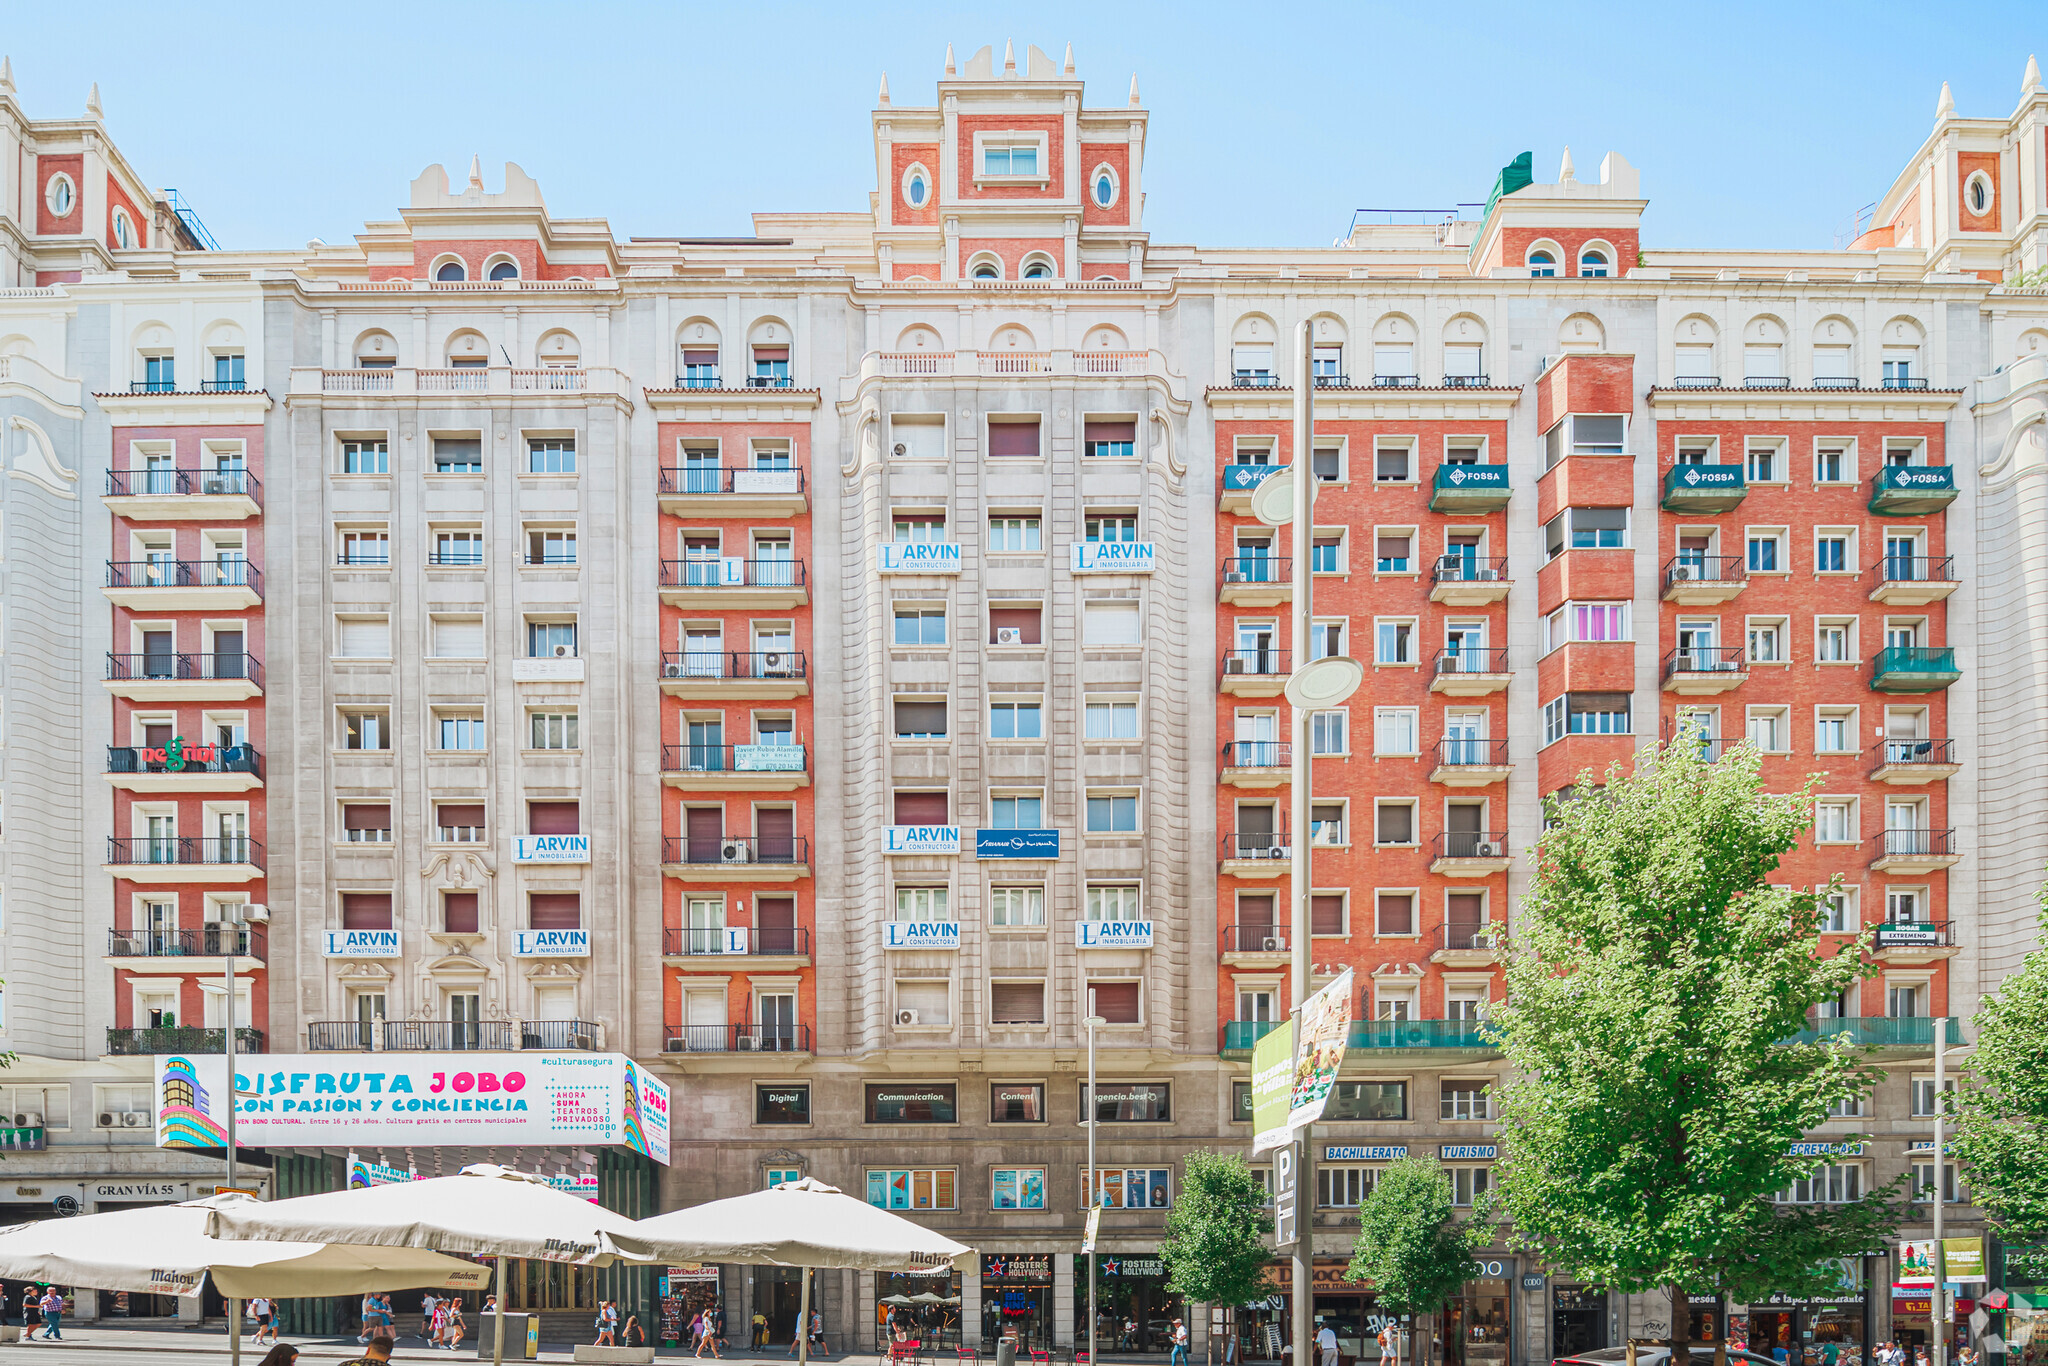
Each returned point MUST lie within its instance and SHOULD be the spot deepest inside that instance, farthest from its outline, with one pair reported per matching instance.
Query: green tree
(2002, 1130)
(1411, 1243)
(1657, 990)
(1215, 1249)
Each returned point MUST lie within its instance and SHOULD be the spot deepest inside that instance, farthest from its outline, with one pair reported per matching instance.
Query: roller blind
(458, 912)
(366, 910)
(921, 808)
(362, 637)
(771, 353)
(1017, 1003)
(1116, 1002)
(554, 911)
(920, 718)
(1326, 915)
(360, 817)
(1024, 620)
(1013, 438)
(1110, 431)
(449, 816)
(459, 637)
(554, 818)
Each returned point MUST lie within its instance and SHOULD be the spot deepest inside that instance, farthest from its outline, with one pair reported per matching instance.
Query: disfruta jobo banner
(371, 1100)
(1290, 1084)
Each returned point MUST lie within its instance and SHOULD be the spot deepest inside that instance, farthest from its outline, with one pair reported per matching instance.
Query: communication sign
(1286, 1195)
(921, 934)
(551, 944)
(1272, 1088)
(1033, 844)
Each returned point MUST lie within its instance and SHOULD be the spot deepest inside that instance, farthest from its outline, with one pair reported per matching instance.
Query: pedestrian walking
(31, 1313)
(1180, 1344)
(53, 1315)
(710, 1336)
(1326, 1342)
(457, 1328)
(265, 1314)
(635, 1335)
(427, 1303)
(760, 1329)
(607, 1324)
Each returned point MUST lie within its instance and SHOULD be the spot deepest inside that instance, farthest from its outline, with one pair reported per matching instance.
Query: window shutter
(771, 353)
(1326, 915)
(1254, 920)
(363, 637)
(1465, 913)
(1024, 620)
(357, 816)
(921, 808)
(451, 816)
(554, 911)
(1391, 462)
(1116, 1002)
(554, 818)
(458, 912)
(1109, 431)
(366, 910)
(1397, 915)
(775, 832)
(1393, 547)
(459, 638)
(458, 450)
(701, 357)
(1017, 1003)
(920, 718)
(1013, 438)
(1109, 623)
(1395, 824)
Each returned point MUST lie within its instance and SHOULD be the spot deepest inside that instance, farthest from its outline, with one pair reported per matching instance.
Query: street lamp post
(1093, 1022)
(235, 920)
(1941, 1317)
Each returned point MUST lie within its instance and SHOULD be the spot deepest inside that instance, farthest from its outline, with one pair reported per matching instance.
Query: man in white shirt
(1326, 1341)
(427, 1302)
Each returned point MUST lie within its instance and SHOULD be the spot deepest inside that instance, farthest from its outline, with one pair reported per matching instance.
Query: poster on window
(1019, 1187)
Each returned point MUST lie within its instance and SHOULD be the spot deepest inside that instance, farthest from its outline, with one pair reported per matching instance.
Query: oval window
(1980, 194)
(448, 270)
(916, 192)
(124, 235)
(62, 196)
(505, 270)
(1105, 190)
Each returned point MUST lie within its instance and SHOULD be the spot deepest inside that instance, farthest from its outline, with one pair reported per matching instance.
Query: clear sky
(1754, 125)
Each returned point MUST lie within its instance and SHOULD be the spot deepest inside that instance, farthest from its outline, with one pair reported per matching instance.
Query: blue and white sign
(1392, 1152)
(1848, 1149)
(1112, 934)
(1114, 557)
(1489, 477)
(759, 482)
(1708, 476)
(1468, 1152)
(921, 934)
(768, 758)
(1239, 478)
(1040, 844)
(551, 849)
(551, 944)
(732, 572)
(922, 839)
(1920, 476)
(918, 557)
(360, 944)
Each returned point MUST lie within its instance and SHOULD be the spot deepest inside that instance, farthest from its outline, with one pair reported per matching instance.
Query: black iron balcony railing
(714, 665)
(153, 386)
(735, 849)
(1469, 938)
(1710, 748)
(179, 850)
(1472, 844)
(1913, 569)
(184, 574)
(1469, 569)
(738, 1038)
(1459, 752)
(1683, 569)
(1258, 754)
(1332, 381)
(685, 480)
(1915, 751)
(190, 760)
(1397, 381)
(182, 484)
(774, 941)
(1255, 936)
(1467, 381)
(770, 382)
(223, 386)
(1766, 382)
(1705, 659)
(183, 668)
(557, 1035)
(1836, 382)
(1904, 382)
(701, 377)
(1471, 659)
(340, 1036)
(368, 556)
(1255, 379)
(1917, 844)
(1254, 569)
(131, 1043)
(735, 573)
(214, 941)
(437, 1036)
(1257, 844)
(1254, 662)
(735, 759)
(1696, 382)
(460, 557)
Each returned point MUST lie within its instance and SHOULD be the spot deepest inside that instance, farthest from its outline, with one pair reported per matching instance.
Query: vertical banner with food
(1295, 1066)
(1272, 1087)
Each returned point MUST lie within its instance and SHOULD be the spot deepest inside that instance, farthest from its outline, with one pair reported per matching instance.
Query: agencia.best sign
(354, 1100)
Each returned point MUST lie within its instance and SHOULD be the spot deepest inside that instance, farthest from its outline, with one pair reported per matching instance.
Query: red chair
(903, 1353)
(967, 1356)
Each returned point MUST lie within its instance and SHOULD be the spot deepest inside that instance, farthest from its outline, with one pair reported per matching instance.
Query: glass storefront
(1349, 1309)
(1016, 1299)
(686, 1291)
(1578, 1320)
(1474, 1325)
(777, 1296)
(2025, 1272)
(1813, 1333)
(926, 1308)
(1135, 1308)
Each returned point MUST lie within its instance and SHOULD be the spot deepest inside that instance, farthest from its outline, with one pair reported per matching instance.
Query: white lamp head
(1273, 499)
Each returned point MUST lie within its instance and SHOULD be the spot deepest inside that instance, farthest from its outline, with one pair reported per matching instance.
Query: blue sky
(1754, 125)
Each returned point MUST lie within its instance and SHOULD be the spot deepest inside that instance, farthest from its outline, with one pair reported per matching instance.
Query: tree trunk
(1721, 1336)
(1681, 1327)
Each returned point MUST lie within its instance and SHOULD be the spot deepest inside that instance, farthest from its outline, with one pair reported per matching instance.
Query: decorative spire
(1009, 57)
(949, 60)
(6, 73)
(1069, 69)
(885, 88)
(476, 172)
(1134, 90)
(1946, 105)
(2030, 83)
(1566, 173)
(92, 101)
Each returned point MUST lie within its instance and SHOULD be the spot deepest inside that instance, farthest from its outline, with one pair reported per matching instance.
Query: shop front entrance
(777, 1292)
(927, 1308)
(1578, 1320)
(1016, 1300)
(1349, 1309)
(1816, 1333)
(1136, 1310)
(1474, 1326)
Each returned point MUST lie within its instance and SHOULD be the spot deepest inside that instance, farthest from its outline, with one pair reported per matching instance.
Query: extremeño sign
(373, 1100)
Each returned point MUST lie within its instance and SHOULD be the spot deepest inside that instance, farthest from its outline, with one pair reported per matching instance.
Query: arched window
(449, 270)
(1105, 190)
(917, 186)
(1542, 265)
(1593, 265)
(917, 192)
(985, 271)
(505, 270)
(124, 231)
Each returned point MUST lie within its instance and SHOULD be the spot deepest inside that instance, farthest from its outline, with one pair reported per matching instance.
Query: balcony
(181, 677)
(1914, 668)
(736, 858)
(736, 673)
(1256, 854)
(559, 1036)
(1433, 1038)
(181, 585)
(1257, 763)
(142, 1043)
(1705, 670)
(1397, 381)
(1256, 580)
(736, 946)
(737, 1038)
(1469, 488)
(1910, 490)
(183, 951)
(1704, 580)
(1912, 580)
(1240, 1035)
(1836, 382)
(340, 1036)
(1470, 672)
(1915, 851)
(1235, 492)
(446, 1036)
(1468, 581)
(1704, 488)
(718, 491)
(1254, 673)
(1255, 944)
(171, 495)
(1255, 379)
(1468, 946)
(731, 583)
(1915, 945)
(736, 768)
(1766, 382)
(1898, 1035)
(184, 768)
(1470, 763)
(1467, 381)
(178, 859)
(1914, 763)
(1471, 853)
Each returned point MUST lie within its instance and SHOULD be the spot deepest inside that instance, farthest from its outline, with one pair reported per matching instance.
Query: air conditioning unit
(109, 1121)
(1486, 849)
(1237, 664)
(583, 1041)
(776, 664)
(1682, 572)
(29, 1119)
(672, 671)
(1272, 945)
(1234, 576)
(133, 1119)
(1009, 635)
(675, 1045)
(907, 1017)
(901, 450)
(735, 851)
(1483, 574)
(565, 652)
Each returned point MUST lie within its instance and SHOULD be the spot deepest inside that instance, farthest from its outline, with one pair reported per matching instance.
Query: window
(1763, 464)
(1466, 1100)
(365, 457)
(1542, 265)
(366, 730)
(1768, 730)
(1394, 1003)
(1831, 465)
(920, 905)
(1013, 535)
(1016, 1102)
(1110, 720)
(554, 730)
(930, 1188)
(1326, 553)
(1766, 642)
(1834, 820)
(1765, 361)
(1833, 641)
(62, 197)
(1469, 1184)
(1952, 1191)
(459, 824)
(1391, 463)
(362, 637)
(1695, 366)
(1394, 730)
(912, 1103)
(1394, 914)
(918, 719)
(1117, 1003)
(1105, 188)
(1131, 1187)
(1587, 529)
(916, 187)
(1018, 812)
(1327, 732)
(1923, 1095)
(159, 374)
(783, 1104)
(551, 545)
(1016, 906)
(1129, 1102)
(1463, 360)
(1367, 1100)
(1016, 1003)
(1393, 360)
(550, 640)
(1593, 264)
(1112, 814)
(1109, 440)
(1118, 901)
(1977, 193)
(1015, 720)
(1394, 823)
(460, 548)
(1013, 439)
(1344, 1187)
(920, 626)
(1585, 434)
(1394, 643)
(229, 372)
(1586, 621)
(1828, 1184)
(1586, 713)
(455, 638)
(362, 823)
(553, 455)
(1013, 159)
(1831, 553)
(1834, 732)
(1763, 552)
(460, 732)
(930, 1001)
(365, 548)
(1902, 1000)
(458, 455)
(1015, 625)
(1392, 552)
(1327, 464)
(1112, 529)
(1109, 623)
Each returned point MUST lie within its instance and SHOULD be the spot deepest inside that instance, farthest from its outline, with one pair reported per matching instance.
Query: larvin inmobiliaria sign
(299, 1100)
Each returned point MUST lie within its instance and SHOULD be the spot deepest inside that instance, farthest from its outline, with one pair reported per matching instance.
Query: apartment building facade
(829, 666)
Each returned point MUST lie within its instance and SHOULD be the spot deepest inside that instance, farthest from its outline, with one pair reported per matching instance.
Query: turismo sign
(359, 944)
(918, 557)
(1114, 557)
(921, 934)
(1112, 934)
(922, 839)
(551, 944)
(551, 849)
